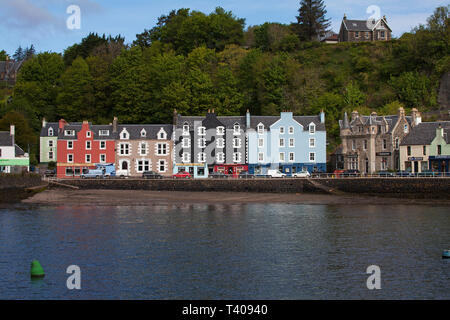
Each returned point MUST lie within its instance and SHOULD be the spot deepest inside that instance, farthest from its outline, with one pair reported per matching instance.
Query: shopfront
(439, 163)
(231, 169)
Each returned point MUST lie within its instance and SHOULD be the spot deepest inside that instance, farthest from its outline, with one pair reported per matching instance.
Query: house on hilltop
(364, 30)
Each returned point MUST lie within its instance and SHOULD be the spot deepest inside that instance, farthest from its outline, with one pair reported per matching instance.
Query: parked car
(275, 174)
(93, 173)
(182, 175)
(386, 174)
(245, 175)
(218, 175)
(337, 173)
(151, 175)
(404, 174)
(301, 174)
(49, 173)
(351, 173)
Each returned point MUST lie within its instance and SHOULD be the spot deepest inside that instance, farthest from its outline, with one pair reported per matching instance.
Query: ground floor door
(416, 166)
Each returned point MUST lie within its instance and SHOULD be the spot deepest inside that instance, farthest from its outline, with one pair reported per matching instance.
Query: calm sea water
(252, 251)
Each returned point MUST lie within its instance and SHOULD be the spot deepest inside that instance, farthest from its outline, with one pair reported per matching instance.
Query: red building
(232, 170)
(82, 145)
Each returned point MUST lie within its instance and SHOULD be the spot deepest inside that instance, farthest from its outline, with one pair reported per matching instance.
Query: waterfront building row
(199, 145)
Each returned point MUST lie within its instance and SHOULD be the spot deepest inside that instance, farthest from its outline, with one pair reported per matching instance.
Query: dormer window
(69, 132)
(162, 135)
(312, 128)
(50, 132)
(220, 131)
(103, 133)
(237, 129)
(124, 134)
(260, 128)
(143, 133)
(185, 129)
(88, 134)
(201, 131)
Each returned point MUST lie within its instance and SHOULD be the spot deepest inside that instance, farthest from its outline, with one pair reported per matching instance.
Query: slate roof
(267, 121)
(227, 121)
(377, 120)
(5, 139)
(356, 25)
(54, 125)
(425, 132)
(151, 130)
(19, 151)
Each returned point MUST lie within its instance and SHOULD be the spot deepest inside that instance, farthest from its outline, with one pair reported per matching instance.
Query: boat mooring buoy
(36, 270)
(446, 254)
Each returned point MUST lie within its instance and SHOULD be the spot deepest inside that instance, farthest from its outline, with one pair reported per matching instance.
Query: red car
(182, 174)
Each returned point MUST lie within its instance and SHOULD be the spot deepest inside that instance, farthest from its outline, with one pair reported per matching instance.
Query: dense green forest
(192, 62)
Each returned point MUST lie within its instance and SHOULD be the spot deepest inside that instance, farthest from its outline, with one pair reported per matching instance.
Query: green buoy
(36, 270)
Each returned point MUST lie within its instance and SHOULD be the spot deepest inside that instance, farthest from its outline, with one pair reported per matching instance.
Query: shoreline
(145, 197)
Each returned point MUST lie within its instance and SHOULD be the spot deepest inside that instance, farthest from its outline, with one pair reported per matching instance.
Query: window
(186, 157)
(312, 143)
(202, 143)
(69, 144)
(405, 128)
(185, 129)
(201, 157)
(162, 135)
(281, 156)
(50, 132)
(367, 35)
(143, 165)
(281, 130)
(88, 158)
(408, 150)
(356, 34)
(124, 149)
(424, 150)
(260, 142)
(353, 145)
(354, 163)
(260, 128)
(439, 149)
(102, 145)
(162, 149)
(102, 158)
(312, 128)
(236, 157)
(382, 34)
(291, 142)
(69, 132)
(236, 143)
(201, 131)
(124, 135)
(260, 156)
(291, 157)
(312, 156)
(103, 133)
(281, 143)
(220, 131)
(291, 130)
(88, 145)
(220, 157)
(50, 155)
(143, 133)
(237, 129)
(88, 134)
(397, 142)
(162, 166)
(69, 171)
(384, 144)
(220, 143)
(186, 142)
(365, 145)
(384, 163)
(143, 148)
(50, 143)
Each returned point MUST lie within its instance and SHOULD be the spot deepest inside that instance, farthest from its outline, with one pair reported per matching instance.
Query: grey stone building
(200, 142)
(364, 30)
(372, 143)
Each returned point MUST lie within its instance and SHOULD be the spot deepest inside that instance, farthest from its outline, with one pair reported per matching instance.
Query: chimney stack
(114, 124)
(322, 116)
(354, 115)
(12, 133)
(44, 123)
(416, 117)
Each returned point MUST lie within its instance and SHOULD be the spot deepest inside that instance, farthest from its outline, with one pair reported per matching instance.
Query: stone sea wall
(13, 187)
(390, 187)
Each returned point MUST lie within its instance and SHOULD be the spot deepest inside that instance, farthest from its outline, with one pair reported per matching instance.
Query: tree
(24, 136)
(311, 21)
(3, 55)
(19, 54)
(353, 97)
(29, 53)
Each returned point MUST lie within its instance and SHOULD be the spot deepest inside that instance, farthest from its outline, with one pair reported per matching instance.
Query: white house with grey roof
(12, 158)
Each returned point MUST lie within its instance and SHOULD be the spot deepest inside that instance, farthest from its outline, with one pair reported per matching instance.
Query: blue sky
(43, 22)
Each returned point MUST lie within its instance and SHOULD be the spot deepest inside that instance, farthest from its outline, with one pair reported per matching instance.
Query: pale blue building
(286, 142)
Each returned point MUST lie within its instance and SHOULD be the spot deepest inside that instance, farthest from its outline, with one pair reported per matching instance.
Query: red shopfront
(231, 169)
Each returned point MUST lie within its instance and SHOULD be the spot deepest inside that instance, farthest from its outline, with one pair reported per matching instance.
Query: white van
(275, 174)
